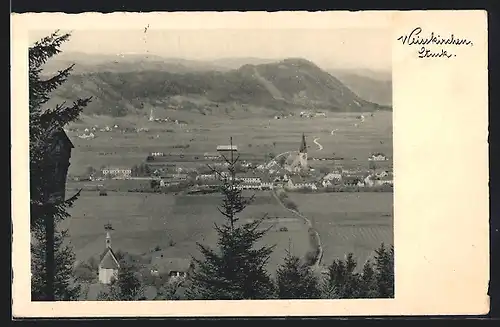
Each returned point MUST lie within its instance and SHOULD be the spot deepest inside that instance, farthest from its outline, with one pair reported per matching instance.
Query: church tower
(299, 164)
(303, 152)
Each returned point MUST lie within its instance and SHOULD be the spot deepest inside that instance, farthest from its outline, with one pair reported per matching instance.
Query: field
(174, 223)
(349, 222)
(256, 137)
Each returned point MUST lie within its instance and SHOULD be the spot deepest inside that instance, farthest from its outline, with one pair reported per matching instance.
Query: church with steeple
(299, 162)
(109, 265)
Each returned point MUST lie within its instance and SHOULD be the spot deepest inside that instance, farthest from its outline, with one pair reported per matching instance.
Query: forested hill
(120, 89)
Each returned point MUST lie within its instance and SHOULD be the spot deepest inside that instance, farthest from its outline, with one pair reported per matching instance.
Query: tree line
(235, 269)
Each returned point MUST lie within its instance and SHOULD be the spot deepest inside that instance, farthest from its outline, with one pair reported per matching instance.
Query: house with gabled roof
(295, 182)
(109, 265)
(175, 268)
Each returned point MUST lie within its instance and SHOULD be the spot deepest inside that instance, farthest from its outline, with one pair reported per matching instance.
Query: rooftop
(109, 260)
(227, 148)
(170, 264)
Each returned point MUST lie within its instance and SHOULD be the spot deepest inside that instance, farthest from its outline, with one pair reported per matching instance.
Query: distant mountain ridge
(133, 84)
(372, 86)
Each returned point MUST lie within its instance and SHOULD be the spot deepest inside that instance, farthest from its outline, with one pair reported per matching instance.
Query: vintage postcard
(307, 163)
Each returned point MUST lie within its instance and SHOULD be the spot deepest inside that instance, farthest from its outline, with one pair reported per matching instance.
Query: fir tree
(296, 280)
(384, 262)
(237, 269)
(341, 278)
(65, 288)
(127, 287)
(368, 283)
(43, 123)
(375, 281)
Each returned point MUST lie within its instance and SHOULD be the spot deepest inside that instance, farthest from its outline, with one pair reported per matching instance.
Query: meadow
(255, 137)
(349, 222)
(174, 224)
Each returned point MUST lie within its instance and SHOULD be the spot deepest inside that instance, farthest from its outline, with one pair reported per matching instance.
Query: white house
(382, 174)
(295, 183)
(251, 179)
(225, 148)
(333, 177)
(267, 185)
(117, 172)
(377, 157)
(165, 183)
(211, 156)
(175, 268)
(206, 177)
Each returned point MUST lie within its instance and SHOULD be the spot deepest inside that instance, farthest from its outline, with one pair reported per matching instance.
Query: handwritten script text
(424, 43)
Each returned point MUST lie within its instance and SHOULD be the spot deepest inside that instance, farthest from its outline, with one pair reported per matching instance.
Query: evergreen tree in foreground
(127, 287)
(296, 280)
(50, 260)
(236, 271)
(64, 287)
(375, 281)
(384, 276)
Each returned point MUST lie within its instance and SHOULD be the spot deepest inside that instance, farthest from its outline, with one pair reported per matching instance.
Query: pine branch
(45, 49)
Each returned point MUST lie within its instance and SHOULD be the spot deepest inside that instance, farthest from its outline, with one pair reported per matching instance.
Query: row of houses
(366, 179)
(121, 173)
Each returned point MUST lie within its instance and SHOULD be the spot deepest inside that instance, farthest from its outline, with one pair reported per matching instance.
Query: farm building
(117, 172)
(211, 156)
(206, 177)
(227, 148)
(333, 177)
(266, 183)
(296, 183)
(175, 268)
(177, 177)
(353, 180)
(250, 179)
(377, 157)
(109, 265)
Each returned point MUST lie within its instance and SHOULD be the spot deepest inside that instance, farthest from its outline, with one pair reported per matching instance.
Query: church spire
(108, 228)
(303, 146)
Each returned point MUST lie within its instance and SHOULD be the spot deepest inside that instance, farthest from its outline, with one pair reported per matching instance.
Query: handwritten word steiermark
(424, 44)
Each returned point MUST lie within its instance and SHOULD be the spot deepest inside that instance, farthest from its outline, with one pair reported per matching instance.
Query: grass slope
(291, 84)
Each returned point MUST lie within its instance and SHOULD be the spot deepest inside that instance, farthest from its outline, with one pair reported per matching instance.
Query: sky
(358, 48)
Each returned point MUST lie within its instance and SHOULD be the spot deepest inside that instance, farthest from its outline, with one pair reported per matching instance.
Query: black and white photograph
(224, 160)
(202, 171)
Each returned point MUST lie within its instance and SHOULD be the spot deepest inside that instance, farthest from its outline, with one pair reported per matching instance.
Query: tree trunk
(49, 258)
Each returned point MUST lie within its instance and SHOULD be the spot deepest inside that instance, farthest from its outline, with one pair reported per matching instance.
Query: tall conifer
(46, 213)
(237, 269)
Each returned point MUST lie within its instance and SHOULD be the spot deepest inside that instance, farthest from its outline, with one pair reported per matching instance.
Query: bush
(289, 204)
(84, 273)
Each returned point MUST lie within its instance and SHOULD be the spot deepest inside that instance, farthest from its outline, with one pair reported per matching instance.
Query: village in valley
(198, 174)
(292, 170)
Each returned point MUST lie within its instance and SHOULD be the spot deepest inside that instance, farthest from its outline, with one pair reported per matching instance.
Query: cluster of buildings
(294, 174)
(109, 266)
(305, 114)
